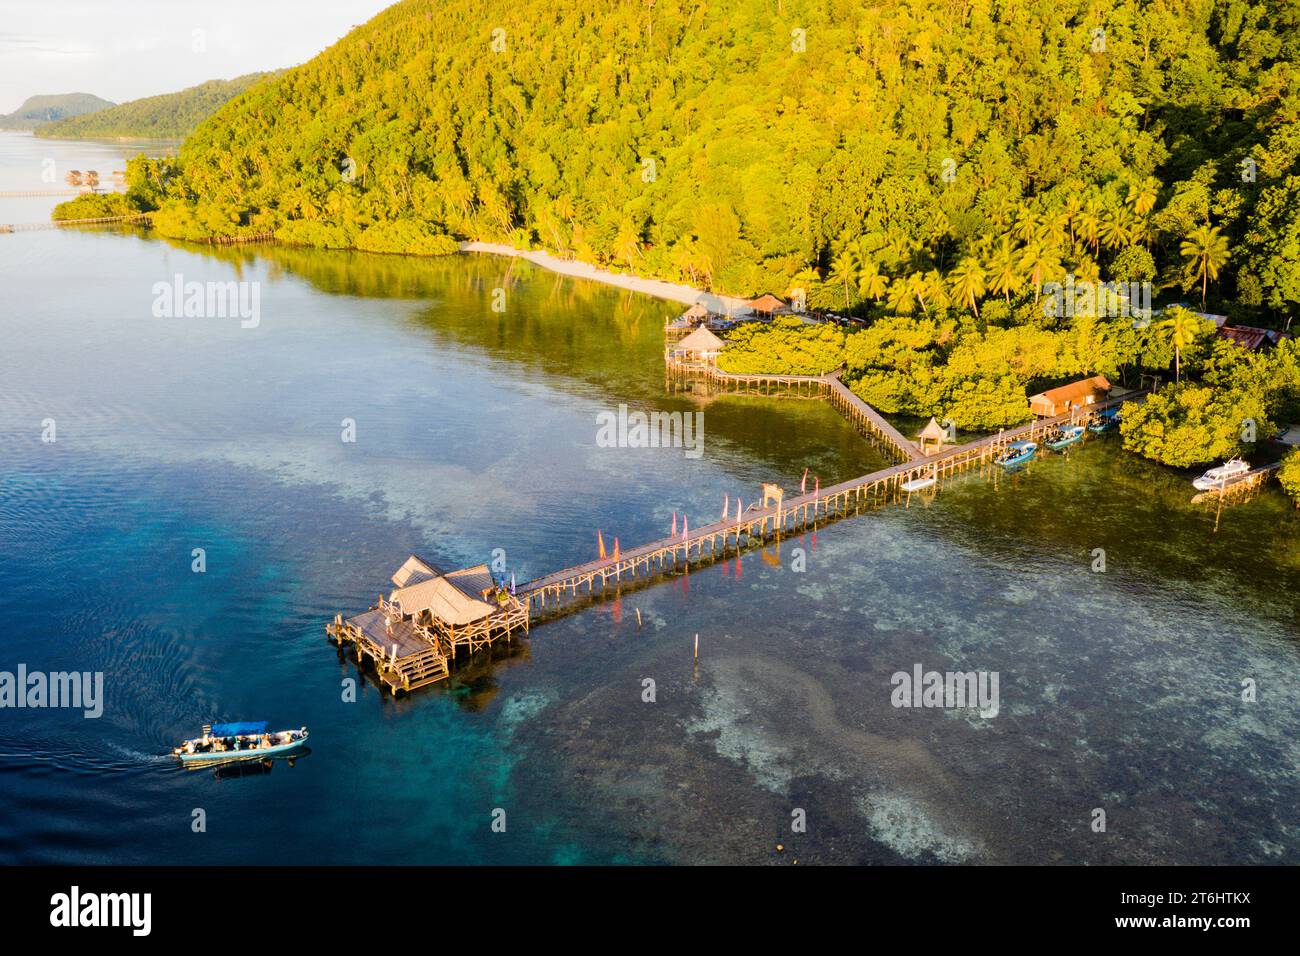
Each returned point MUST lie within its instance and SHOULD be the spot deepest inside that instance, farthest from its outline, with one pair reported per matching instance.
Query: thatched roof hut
(456, 597)
(932, 434)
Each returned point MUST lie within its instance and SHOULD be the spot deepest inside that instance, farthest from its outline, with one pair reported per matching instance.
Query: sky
(125, 49)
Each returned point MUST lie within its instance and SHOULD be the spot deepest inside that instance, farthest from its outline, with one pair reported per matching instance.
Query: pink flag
(673, 533)
(615, 547)
(737, 511)
(817, 487)
(725, 506)
(803, 485)
(685, 531)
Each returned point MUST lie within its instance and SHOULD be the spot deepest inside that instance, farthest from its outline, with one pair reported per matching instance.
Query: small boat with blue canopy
(1017, 453)
(1104, 421)
(1065, 437)
(244, 740)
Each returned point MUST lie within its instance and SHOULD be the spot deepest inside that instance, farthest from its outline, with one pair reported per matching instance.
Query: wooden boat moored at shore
(1104, 421)
(1017, 453)
(1065, 437)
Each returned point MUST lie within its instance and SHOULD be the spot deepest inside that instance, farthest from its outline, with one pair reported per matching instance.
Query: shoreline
(674, 292)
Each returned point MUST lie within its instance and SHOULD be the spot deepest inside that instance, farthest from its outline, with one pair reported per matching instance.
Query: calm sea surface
(476, 430)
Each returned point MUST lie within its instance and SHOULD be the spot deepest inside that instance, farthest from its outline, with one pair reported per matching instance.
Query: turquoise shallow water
(476, 430)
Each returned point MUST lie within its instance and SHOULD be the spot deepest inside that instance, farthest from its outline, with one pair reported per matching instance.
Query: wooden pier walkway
(552, 592)
(862, 416)
(56, 223)
(27, 193)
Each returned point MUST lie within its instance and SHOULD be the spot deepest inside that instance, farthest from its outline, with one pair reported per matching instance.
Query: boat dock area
(1241, 487)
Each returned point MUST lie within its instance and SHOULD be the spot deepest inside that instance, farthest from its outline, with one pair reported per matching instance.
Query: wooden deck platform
(412, 650)
(406, 655)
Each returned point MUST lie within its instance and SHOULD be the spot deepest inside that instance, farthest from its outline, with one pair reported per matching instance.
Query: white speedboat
(1220, 476)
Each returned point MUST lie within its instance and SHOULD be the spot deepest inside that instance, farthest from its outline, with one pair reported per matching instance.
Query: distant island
(167, 116)
(37, 111)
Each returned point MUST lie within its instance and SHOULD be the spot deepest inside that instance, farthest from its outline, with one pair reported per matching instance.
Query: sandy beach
(723, 304)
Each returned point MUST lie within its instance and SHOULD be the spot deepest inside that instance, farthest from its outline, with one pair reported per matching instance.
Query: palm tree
(1026, 225)
(1038, 260)
(1089, 223)
(1181, 329)
(1114, 231)
(967, 281)
(872, 283)
(937, 289)
(1205, 251)
(1140, 194)
(844, 270)
(1004, 270)
(919, 288)
(627, 245)
(900, 296)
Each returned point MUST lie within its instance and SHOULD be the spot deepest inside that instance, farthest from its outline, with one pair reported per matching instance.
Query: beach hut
(1058, 401)
(696, 313)
(701, 346)
(932, 437)
(769, 305)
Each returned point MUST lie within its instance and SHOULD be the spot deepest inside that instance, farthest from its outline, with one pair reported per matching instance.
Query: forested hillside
(36, 111)
(169, 116)
(914, 154)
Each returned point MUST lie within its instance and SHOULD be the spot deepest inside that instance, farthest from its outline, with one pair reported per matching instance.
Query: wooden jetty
(772, 519)
(869, 423)
(413, 635)
(26, 193)
(57, 223)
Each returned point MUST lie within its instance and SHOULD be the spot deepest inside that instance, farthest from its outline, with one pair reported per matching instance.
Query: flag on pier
(600, 542)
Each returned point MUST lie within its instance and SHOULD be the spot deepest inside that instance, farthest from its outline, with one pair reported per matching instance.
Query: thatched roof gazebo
(701, 345)
(933, 434)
